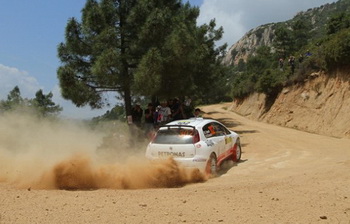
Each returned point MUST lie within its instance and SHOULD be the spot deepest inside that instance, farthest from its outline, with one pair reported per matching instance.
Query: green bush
(270, 81)
(242, 85)
(337, 49)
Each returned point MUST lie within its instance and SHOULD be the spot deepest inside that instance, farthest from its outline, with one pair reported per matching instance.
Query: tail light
(152, 136)
(196, 137)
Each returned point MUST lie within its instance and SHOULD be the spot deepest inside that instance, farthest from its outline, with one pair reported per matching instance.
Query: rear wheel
(212, 168)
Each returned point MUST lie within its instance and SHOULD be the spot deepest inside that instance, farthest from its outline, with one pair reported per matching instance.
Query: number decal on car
(228, 140)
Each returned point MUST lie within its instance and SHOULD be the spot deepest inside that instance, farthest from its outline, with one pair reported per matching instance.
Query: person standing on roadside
(149, 119)
(136, 114)
(135, 125)
(197, 113)
(164, 113)
(176, 110)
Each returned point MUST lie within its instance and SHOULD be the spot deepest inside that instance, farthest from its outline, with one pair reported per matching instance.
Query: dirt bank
(321, 105)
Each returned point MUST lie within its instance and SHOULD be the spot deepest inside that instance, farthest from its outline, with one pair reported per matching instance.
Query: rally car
(197, 142)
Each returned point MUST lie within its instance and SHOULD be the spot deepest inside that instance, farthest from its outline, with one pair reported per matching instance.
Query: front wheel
(212, 167)
(237, 156)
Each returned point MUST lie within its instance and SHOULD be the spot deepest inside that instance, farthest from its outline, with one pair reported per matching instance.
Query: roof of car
(191, 122)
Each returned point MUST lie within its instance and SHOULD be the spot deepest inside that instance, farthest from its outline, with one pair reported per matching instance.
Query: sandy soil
(319, 105)
(285, 176)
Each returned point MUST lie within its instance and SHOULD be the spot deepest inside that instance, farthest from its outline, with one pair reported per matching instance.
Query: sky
(31, 30)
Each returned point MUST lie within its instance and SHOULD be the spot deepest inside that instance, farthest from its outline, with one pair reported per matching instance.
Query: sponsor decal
(210, 143)
(207, 134)
(183, 122)
(228, 140)
(200, 160)
(173, 154)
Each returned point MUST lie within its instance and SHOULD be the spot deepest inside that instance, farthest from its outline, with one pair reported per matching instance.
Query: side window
(219, 130)
(224, 129)
(209, 130)
(215, 129)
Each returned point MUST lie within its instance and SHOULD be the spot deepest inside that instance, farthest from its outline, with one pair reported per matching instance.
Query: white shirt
(163, 114)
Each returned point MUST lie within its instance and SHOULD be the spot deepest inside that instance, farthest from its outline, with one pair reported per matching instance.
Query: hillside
(264, 35)
(321, 105)
(309, 92)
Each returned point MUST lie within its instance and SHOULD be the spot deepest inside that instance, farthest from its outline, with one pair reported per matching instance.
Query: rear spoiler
(176, 125)
(194, 130)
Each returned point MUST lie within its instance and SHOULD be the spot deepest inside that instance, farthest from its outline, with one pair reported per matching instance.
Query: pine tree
(148, 47)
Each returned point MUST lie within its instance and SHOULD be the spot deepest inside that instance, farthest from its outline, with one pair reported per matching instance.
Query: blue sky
(30, 31)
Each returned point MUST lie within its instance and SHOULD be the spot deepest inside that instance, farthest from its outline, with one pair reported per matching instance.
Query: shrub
(337, 49)
(270, 81)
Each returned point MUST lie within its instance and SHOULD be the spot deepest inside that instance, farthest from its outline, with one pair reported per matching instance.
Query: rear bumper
(193, 162)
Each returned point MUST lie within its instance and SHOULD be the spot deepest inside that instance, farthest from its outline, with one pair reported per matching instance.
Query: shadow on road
(246, 132)
(227, 165)
(244, 144)
(211, 112)
(228, 122)
(231, 124)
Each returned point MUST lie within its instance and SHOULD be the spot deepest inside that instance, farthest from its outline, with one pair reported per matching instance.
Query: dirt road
(286, 176)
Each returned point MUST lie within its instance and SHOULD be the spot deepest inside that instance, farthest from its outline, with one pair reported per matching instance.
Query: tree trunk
(127, 100)
(125, 66)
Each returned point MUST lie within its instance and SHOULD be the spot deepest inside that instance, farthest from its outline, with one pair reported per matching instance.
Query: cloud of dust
(79, 173)
(52, 154)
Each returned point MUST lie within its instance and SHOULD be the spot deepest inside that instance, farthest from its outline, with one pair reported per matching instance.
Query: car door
(229, 141)
(225, 134)
(221, 134)
(213, 134)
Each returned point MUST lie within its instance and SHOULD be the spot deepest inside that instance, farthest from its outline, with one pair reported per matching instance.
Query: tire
(212, 167)
(238, 154)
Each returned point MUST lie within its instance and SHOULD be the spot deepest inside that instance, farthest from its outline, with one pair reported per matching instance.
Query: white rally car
(196, 142)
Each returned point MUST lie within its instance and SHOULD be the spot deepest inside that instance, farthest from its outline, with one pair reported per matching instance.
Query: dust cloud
(61, 154)
(79, 173)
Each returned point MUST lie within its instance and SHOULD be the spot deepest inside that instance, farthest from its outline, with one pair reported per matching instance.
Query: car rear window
(175, 135)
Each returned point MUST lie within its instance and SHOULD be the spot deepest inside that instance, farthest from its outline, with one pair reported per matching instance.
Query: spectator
(136, 114)
(188, 108)
(176, 110)
(135, 125)
(149, 119)
(280, 63)
(301, 58)
(292, 63)
(164, 113)
(197, 112)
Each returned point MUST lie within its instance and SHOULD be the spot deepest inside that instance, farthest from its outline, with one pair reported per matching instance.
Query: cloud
(231, 22)
(239, 16)
(28, 85)
(11, 77)
(72, 111)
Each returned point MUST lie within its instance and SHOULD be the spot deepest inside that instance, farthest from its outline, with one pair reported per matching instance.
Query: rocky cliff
(264, 35)
(249, 43)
